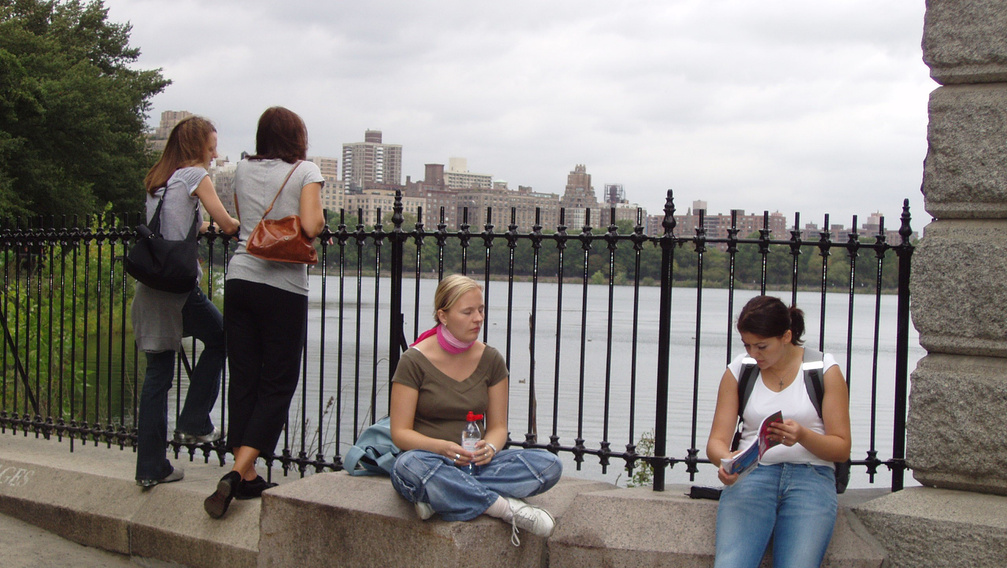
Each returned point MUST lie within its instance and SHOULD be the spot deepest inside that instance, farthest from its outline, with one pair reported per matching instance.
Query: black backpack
(814, 380)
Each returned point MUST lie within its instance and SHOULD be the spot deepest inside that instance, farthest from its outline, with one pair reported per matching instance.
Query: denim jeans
(202, 320)
(795, 504)
(456, 495)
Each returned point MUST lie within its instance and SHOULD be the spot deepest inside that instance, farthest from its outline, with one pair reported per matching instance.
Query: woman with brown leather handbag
(266, 301)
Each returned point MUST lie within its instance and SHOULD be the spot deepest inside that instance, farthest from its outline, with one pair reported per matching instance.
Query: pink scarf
(445, 339)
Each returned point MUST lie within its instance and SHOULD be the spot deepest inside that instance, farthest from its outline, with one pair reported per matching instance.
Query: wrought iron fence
(626, 338)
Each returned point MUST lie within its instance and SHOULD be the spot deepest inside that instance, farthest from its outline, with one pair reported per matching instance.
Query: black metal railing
(71, 369)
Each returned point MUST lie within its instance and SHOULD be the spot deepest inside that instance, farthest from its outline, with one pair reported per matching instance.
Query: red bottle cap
(472, 417)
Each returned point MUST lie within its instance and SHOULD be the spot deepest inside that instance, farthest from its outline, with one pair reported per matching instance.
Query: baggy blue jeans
(456, 495)
(795, 504)
(202, 320)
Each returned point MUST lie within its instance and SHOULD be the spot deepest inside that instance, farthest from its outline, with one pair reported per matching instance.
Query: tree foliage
(72, 111)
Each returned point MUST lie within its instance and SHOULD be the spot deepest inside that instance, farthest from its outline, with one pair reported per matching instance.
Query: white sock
(500, 509)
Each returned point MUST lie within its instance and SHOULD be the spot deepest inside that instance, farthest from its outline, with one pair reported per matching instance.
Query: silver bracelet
(495, 451)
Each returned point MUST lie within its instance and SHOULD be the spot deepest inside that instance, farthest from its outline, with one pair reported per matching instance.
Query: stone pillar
(958, 394)
(958, 398)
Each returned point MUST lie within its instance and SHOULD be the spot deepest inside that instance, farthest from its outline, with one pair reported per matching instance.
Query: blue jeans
(795, 504)
(422, 476)
(202, 320)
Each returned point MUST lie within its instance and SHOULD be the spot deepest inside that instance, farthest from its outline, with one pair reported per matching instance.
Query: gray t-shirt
(179, 203)
(157, 315)
(255, 184)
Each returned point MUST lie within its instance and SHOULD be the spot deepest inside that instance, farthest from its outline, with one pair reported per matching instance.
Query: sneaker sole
(192, 439)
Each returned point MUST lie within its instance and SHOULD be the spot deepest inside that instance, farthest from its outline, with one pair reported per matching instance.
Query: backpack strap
(374, 451)
(351, 458)
(814, 377)
(746, 382)
(814, 381)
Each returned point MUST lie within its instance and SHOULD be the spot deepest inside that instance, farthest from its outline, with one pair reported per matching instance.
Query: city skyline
(781, 106)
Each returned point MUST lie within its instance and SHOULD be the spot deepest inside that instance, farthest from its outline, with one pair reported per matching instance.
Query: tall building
(458, 176)
(371, 163)
(437, 197)
(169, 118)
(222, 176)
(531, 206)
(579, 200)
(333, 194)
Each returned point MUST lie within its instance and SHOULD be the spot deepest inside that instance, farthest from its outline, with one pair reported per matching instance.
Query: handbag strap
(155, 223)
(284, 184)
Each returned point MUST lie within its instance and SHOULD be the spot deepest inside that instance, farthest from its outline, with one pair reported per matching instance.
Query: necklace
(777, 376)
(778, 379)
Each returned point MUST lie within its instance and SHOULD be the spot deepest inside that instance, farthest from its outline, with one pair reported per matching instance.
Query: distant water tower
(614, 193)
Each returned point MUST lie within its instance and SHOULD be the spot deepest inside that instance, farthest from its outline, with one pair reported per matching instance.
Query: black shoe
(216, 504)
(252, 489)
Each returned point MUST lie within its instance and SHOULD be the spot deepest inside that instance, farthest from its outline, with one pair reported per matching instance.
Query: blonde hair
(450, 289)
(186, 146)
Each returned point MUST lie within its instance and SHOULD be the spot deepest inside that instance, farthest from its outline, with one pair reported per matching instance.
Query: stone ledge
(640, 527)
(363, 521)
(923, 526)
(89, 497)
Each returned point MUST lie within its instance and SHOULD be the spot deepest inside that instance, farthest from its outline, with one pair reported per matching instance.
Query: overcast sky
(810, 106)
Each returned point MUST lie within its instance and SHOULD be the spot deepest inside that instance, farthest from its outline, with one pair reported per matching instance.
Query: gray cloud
(781, 105)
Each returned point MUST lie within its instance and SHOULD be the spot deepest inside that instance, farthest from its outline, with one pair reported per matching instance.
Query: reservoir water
(602, 375)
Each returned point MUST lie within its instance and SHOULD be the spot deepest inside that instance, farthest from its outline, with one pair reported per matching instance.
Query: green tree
(72, 112)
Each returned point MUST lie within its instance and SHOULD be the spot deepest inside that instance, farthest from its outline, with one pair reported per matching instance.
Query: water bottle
(471, 436)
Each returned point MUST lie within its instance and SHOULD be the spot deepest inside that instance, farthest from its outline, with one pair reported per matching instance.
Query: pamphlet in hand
(745, 461)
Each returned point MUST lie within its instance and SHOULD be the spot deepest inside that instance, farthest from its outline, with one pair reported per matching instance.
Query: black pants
(265, 329)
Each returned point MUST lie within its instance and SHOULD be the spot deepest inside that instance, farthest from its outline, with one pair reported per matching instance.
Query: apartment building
(371, 162)
(169, 118)
(579, 201)
(222, 176)
(333, 193)
(457, 176)
(368, 203)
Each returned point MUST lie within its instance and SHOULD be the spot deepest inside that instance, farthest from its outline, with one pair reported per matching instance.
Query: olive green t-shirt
(443, 402)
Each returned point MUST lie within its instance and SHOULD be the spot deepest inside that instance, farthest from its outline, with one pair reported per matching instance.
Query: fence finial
(669, 214)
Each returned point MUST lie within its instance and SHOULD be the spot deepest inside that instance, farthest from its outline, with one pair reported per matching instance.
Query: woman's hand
(787, 432)
(457, 454)
(725, 478)
(484, 453)
(208, 197)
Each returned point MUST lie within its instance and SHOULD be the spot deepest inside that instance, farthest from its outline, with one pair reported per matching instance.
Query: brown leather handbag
(281, 240)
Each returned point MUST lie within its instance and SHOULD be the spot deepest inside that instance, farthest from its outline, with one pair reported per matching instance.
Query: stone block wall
(958, 396)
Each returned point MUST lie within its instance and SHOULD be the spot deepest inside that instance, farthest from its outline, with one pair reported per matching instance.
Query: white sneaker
(176, 475)
(533, 519)
(423, 510)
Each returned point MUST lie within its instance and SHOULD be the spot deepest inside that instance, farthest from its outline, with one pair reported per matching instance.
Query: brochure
(745, 461)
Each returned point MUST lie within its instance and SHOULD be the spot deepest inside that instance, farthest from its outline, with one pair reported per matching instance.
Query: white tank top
(794, 401)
